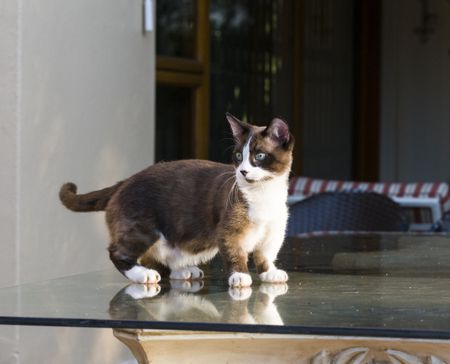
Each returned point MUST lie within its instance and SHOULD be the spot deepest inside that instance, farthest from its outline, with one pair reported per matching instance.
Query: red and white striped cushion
(304, 187)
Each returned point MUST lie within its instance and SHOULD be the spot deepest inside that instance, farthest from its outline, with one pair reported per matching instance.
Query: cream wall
(415, 143)
(8, 146)
(77, 91)
(8, 181)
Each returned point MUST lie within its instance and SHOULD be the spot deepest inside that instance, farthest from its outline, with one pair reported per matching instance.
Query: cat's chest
(265, 212)
(267, 222)
(267, 205)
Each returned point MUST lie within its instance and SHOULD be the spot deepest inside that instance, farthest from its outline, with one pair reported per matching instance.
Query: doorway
(310, 62)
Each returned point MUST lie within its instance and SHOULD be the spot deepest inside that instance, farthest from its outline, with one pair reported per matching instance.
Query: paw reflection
(240, 293)
(187, 273)
(139, 291)
(274, 289)
(187, 286)
(191, 301)
(265, 309)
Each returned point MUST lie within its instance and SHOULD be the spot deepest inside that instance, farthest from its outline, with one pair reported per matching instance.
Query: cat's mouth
(263, 179)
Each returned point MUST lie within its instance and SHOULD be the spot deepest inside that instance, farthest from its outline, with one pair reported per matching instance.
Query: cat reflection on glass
(174, 216)
(183, 301)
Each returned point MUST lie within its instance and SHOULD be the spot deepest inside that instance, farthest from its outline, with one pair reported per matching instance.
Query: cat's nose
(244, 173)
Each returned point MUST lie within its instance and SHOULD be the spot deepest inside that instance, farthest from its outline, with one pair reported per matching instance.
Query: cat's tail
(92, 201)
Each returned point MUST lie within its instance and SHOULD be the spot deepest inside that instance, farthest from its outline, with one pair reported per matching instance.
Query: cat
(173, 216)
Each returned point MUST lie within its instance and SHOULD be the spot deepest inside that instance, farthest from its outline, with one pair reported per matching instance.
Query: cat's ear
(238, 128)
(278, 131)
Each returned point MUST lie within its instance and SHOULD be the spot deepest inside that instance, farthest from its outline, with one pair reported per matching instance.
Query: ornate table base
(152, 346)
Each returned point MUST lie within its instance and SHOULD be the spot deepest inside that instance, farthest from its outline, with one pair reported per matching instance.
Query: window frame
(192, 73)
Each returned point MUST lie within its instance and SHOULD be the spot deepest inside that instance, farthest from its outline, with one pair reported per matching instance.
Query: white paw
(274, 276)
(140, 274)
(187, 273)
(240, 280)
(240, 293)
(138, 291)
(273, 290)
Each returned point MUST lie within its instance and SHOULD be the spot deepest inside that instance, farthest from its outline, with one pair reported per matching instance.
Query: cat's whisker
(231, 176)
(232, 189)
(231, 192)
(228, 149)
(231, 138)
(228, 180)
(226, 173)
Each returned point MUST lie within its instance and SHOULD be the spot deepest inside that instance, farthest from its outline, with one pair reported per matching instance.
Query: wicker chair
(346, 211)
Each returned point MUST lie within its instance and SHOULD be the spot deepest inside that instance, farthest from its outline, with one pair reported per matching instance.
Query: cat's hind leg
(141, 274)
(126, 250)
(235, 260)
(181, 263)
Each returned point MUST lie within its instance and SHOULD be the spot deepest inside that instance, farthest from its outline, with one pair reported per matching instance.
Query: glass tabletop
(383, 285)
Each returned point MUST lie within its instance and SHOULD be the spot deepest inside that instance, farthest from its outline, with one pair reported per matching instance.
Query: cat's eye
(260, 156)
(238, 156)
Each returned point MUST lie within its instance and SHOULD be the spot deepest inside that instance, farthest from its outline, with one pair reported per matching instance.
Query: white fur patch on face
(140, 274)
(254, 174)
(238, 279)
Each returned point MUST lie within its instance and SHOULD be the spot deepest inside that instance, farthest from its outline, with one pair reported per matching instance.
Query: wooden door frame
(193, 73)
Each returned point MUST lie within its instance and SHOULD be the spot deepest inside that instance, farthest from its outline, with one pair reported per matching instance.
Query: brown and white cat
(177, 215)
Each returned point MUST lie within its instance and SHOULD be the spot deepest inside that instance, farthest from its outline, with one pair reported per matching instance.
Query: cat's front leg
(235, 259)
(268, 272)
(264, 257)
(240, 279)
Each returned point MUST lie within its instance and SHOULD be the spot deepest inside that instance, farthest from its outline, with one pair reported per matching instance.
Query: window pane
(251, 64)
(175, 28)
(173, 123)
(328, 89)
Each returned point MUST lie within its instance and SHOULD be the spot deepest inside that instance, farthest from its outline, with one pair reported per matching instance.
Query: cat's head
(261, 153)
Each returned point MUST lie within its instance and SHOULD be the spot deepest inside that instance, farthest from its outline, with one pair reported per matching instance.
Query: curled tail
(92, 201)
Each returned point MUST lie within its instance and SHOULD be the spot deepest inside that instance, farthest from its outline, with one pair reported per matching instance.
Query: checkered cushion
(304, 187)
